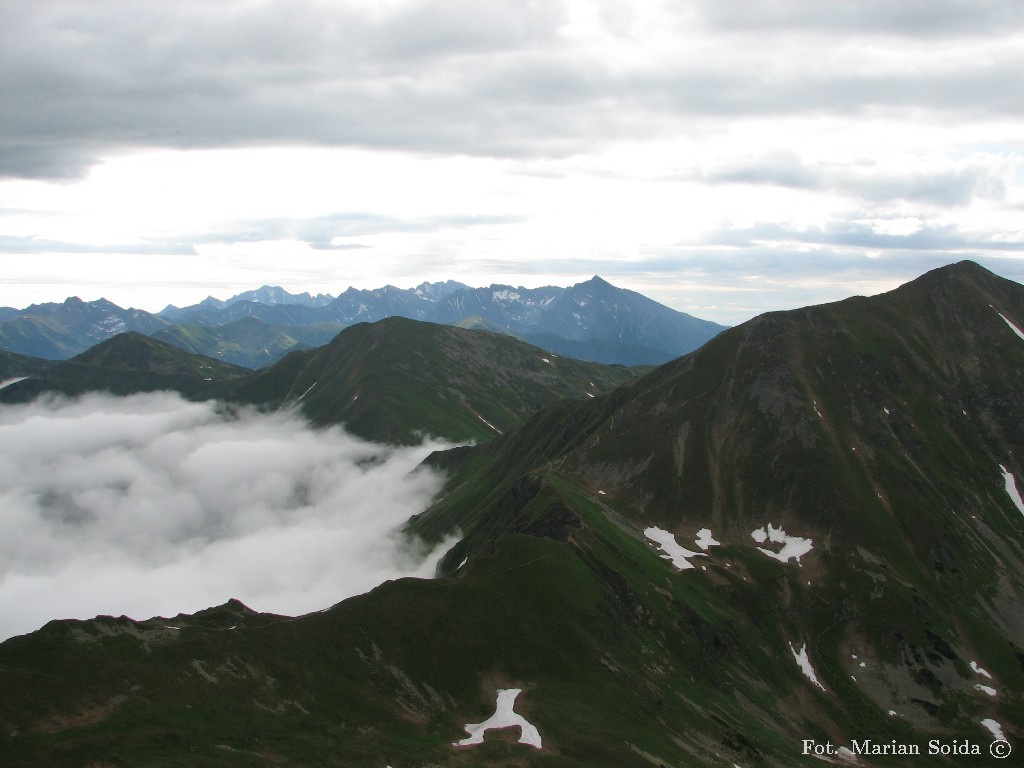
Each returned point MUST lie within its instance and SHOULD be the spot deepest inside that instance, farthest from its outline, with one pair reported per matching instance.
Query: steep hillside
(128, 363)
(877, 441)
(806, 537)
(398, 379)
(60, 331)
(249, 342)
(15, 366)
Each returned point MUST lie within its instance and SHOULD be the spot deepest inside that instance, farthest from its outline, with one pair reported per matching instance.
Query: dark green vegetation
(874, 427)
(249, 342)
(125, 364)
(13, 365)
(394, 381)
(397, 380)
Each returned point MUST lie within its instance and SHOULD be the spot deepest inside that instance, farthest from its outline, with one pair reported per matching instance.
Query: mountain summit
(803, 541)
(592, 321)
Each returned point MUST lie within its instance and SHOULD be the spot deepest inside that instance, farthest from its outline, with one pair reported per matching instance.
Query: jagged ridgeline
(804, 540)
(593, 320)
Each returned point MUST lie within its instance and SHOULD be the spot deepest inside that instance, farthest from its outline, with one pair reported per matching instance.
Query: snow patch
(805, 664)
(994, 728)
(1011, 488)
(1016, 330)
(485, 421)
(979, 671)
(705, 539)
(545, 360)
(308, 391)
(846, 754)
(671, 549)
(985, 689)
(792, 546)
(503, 717)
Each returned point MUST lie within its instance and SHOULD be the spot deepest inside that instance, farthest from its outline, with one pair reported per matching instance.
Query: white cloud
(150, 505)
(208, 147)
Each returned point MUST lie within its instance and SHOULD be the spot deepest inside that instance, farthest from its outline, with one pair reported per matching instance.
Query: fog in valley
(150, 505)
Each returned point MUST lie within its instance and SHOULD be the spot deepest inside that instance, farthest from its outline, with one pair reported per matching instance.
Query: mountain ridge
(626, 328)
(800, 532)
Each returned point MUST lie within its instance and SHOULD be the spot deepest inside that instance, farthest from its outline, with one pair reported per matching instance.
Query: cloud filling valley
(150, 505)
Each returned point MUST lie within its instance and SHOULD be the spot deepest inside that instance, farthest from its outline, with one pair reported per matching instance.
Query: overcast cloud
(150, 505)
(151, 150)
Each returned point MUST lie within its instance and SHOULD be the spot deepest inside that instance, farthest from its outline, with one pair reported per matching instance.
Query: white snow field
(1011, 488)
(792, 546)
(994, 728)
(503, 717)
(705, 539)
(670, 548)
(805, 664)
(1016, 330)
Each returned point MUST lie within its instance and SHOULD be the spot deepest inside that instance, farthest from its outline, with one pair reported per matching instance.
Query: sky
(152, 506)
(724, 158)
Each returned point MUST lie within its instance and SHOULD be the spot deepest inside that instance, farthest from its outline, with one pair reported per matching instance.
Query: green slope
(396, 380)
(13, 365)
(249, 342)
(128, 363)
(875, 428)
(916, 570)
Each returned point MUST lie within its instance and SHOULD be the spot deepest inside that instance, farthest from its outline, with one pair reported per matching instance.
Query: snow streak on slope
(1016, 330)
(152, 505)
(1011, 488)
(805, 664)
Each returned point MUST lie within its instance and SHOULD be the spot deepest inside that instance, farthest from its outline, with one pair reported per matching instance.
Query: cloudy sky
(725, 158)
(150, 505)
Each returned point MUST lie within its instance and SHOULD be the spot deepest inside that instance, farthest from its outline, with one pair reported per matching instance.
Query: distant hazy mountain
(593, 320)
(806, 535)
(60, 331)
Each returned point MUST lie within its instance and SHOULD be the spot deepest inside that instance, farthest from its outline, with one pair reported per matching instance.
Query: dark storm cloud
(499, 78)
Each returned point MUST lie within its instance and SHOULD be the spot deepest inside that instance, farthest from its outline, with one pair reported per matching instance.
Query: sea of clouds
(150, 505)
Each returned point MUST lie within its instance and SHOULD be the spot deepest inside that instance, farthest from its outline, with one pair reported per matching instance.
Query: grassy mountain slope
(398, 379)
(876, 428)
(13, 365)
(127, 363)
(843, 424)
(60, 331)
(249, 342)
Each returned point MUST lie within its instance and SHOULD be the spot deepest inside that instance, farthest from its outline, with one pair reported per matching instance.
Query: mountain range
(801, 543)
(593, 320)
